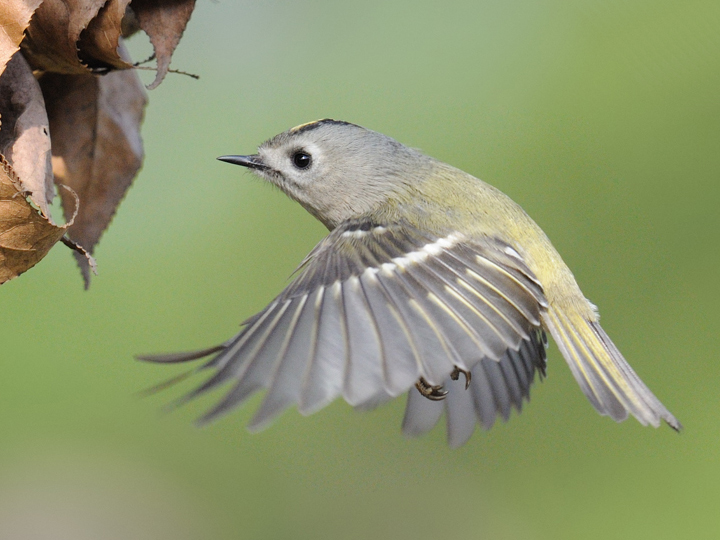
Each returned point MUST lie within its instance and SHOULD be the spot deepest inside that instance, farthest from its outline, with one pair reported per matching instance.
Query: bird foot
(455, 375)
(438, 393)
(433, 393)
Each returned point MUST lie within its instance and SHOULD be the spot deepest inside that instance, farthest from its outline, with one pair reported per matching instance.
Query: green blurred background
(601, 118)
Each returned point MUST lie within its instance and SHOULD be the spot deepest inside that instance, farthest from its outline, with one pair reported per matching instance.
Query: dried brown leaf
(26, 235)
(164, 21)
(14, 20)
(53, 34)
(97, 150)
(99, 42)
(24, 133)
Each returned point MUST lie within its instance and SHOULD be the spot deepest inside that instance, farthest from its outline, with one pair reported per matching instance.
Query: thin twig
(148, 59)
(191, 75)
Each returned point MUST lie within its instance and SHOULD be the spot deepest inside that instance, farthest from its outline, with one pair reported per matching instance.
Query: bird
(430, 283)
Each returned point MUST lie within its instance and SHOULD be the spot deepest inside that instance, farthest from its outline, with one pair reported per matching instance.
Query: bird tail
(605, 377)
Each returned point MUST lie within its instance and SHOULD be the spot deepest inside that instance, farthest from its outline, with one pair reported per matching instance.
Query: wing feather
(431, 347)
(402, 364)
(421, 414)
(364, 372)
(483, 399)
(483, 292)
(495, 387)
(512, 383)
(518, 364)
(499, 389)
(371, 310)
(528, 368)
(227, 369)
(491, 331)
(513, 290)
(323, 380)
(460, 413)
(261, 357)
(283, 384)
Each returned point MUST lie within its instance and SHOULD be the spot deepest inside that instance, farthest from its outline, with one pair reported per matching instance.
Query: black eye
(301, 159)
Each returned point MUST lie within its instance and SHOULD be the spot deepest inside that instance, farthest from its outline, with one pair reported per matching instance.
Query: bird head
(336, 170)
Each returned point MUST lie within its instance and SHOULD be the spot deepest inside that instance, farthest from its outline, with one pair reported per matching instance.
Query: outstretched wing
(372, 309)
(494, 388)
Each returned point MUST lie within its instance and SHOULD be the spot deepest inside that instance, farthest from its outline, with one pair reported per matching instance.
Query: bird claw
(438, 393)
(433, 393)
(455, 375)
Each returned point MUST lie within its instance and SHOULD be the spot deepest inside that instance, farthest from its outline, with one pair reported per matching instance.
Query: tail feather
(604, 376)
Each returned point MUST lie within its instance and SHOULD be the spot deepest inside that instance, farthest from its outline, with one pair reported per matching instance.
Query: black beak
(251, 162)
